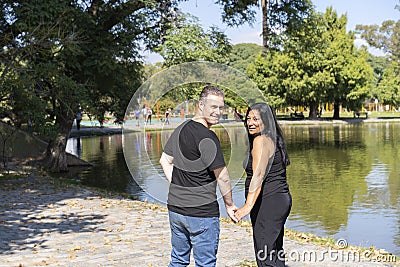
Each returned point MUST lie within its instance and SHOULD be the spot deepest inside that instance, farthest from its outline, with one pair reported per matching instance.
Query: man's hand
(231, 212)
(224, 184)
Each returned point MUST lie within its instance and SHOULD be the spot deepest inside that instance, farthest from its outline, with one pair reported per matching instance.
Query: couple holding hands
(194, 164)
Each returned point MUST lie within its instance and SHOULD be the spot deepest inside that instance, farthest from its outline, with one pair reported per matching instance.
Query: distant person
(237, 115)
(193, 163)
(149, 113)
(137, 116)
(144, 113)
(268, 199)
(30, 124)
(167, 114)
(78, 118)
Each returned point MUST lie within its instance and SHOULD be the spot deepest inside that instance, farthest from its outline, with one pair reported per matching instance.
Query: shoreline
(109, 129)
(48, 221)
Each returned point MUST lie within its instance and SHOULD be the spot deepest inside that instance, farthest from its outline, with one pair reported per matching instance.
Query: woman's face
(254, 122)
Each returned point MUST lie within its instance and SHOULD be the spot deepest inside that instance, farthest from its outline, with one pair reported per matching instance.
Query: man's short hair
(211, 90)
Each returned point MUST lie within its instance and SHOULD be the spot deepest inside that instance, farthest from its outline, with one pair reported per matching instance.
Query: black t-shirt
(197, 153)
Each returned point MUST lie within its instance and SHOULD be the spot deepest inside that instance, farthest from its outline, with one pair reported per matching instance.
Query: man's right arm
(224, 183)
(167, 164)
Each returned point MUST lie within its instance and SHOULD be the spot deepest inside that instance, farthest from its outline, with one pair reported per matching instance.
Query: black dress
(270, 212)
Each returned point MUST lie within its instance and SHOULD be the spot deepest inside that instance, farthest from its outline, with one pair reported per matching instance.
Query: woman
(267, 194)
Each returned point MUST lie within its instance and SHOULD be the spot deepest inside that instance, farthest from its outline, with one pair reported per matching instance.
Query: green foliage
(388, 89)
(282, 17)
(187, 41)
(61, 55)
(316, 64)
(64, 54)
(387, 38)
(269, 74)
(278, 16)
(242, 55)
(379, 64)
(235, 13)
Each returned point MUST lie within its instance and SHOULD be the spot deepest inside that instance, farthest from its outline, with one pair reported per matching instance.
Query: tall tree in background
(319, 63)
(277, 16)
(282, 16)
(307, 79)
(388, 88)
(242, 55)
(387, 38)
(348, 65)
(188, 41)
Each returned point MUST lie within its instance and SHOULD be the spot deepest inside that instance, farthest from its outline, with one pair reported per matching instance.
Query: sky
(365, 12)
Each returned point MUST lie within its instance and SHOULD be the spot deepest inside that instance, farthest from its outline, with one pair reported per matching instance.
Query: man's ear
(201, 105)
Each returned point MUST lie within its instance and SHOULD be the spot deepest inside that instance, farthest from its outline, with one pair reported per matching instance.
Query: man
(144, 112)
(137, 116)
(78, 118)
(193, 162)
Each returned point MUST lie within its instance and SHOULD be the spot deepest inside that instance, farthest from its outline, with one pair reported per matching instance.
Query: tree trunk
(313, 111)
(264, 10)
(56, 157)
(336, 110)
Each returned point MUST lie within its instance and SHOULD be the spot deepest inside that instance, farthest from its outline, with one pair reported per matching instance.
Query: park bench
(297, 115)
(359, 113)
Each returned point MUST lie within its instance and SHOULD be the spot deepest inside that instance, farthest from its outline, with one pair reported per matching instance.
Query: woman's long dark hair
(264, 109)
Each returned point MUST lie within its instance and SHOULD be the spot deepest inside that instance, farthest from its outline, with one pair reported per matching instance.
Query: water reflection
(327, 170)
(74, 146)
(345, 180)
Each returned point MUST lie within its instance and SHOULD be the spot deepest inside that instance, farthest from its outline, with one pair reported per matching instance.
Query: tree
(316, 64)
(277, 16)
(242, 55)
(306, 77)
(387, 38)
(64, 54)
(187, 41)
(282, 16)
(347, 65)
(388, 89)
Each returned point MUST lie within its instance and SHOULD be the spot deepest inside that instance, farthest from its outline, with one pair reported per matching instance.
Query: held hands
(242, 212)
(236, 214)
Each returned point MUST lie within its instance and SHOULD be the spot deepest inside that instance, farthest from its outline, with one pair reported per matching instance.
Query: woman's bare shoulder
(263, 140)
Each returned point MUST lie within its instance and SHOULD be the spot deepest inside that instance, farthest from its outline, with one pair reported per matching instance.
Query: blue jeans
(201, 234)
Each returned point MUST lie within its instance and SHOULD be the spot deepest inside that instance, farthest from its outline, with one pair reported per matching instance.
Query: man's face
(211, 109)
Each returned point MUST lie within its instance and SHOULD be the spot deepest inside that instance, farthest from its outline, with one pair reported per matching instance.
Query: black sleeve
(169, 146)
(219, 161)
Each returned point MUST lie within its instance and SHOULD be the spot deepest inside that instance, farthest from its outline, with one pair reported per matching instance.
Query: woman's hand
(243, 211)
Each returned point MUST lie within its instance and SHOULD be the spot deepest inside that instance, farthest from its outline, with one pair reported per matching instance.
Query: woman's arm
(263, 150)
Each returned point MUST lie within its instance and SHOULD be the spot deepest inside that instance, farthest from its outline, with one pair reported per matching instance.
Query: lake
(344, 179)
